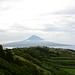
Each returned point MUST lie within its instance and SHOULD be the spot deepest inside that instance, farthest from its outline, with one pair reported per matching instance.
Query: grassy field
(37, 61)
(71, 71)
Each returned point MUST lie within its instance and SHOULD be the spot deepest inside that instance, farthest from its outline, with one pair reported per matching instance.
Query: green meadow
(37, 61)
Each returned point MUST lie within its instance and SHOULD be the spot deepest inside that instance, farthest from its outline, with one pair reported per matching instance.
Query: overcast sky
(52, 20)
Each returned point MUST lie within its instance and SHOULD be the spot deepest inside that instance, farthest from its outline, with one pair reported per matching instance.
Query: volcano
(32, 41)
(34, 37)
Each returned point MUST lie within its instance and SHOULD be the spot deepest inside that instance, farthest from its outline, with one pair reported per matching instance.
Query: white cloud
(22, 18)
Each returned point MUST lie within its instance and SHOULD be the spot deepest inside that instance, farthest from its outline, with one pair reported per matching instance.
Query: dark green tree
(57, 54)
(1, 52)
(9, 55)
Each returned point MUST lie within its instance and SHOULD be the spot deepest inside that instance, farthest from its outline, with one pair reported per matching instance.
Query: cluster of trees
(7, 54)
(2, 53)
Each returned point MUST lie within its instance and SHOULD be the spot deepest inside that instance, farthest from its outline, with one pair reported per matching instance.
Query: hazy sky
(52, 20)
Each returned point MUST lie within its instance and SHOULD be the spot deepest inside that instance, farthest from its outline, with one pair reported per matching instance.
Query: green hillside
(37, 61)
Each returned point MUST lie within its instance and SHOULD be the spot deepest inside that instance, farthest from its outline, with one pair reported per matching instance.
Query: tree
(9, 55)
(57, 54)
(2, 53)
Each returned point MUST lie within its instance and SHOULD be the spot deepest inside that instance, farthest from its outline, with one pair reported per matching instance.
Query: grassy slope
(49, 60)
(40, 60)
(71, 71)
(38, 67)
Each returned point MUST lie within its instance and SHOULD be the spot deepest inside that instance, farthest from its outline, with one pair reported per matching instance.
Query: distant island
(33, 41)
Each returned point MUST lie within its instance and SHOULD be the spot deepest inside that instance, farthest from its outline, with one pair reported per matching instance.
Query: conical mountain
(32, 41)
(34, 37)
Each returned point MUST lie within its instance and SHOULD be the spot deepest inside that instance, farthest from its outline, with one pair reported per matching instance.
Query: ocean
(64, 47)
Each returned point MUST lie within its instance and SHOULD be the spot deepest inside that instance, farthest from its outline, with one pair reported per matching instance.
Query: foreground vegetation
(37, 61)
